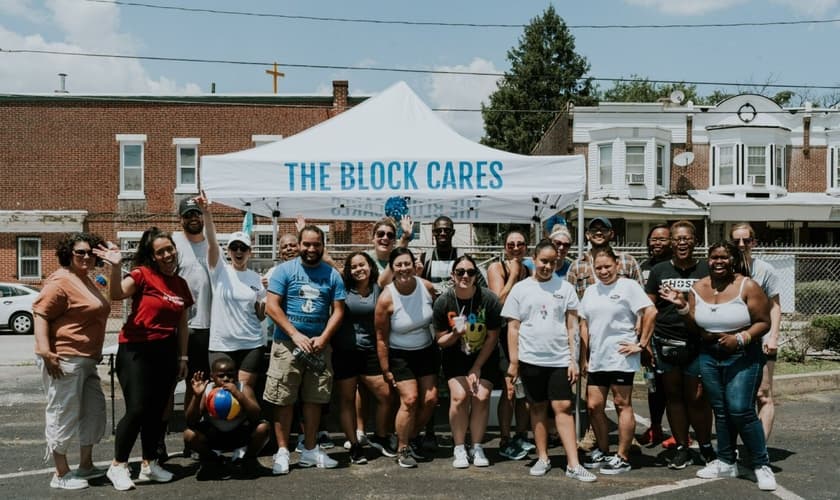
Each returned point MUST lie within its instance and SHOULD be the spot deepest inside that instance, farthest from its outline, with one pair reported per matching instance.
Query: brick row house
(744, 159)
(118, 164)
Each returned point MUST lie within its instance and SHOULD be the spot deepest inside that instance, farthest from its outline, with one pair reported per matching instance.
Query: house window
(29, 258)
(186, 164)
(605, 164)
(726, 172)
(131, 165)
(660, 165)
(779, 166)
(264, 245)
(635, 164)
(756, 165)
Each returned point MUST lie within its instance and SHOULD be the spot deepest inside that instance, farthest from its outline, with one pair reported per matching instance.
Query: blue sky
(750, 55)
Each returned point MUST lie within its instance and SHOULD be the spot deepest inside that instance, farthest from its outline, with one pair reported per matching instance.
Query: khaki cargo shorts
(286, 376)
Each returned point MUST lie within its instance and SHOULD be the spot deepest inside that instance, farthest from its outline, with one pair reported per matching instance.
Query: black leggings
(147, 372)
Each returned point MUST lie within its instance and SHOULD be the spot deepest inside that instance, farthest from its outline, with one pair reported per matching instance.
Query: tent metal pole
(579, 383)
(274, 224)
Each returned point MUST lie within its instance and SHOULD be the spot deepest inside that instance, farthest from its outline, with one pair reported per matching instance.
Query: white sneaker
(461, 460)
(765, 478)
(68, 482)
(239, 453)
(580, 473)
(281, 462)
(154, 472)
(717, 468)
(317, 457)
(478, 456)
(361, 437)
(120, 477)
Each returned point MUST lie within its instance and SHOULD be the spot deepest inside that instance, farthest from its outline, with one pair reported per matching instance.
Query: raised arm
(118, 287)
(213, 251)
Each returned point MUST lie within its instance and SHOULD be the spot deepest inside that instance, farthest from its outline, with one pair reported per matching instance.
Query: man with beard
(437, 264)
(193, 267)
(306, 301)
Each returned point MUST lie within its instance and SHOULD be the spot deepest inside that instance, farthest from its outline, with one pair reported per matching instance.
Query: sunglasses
(83, 253)
(516, 244)
(747, 241)
(386, 234)
(562, 244)
(442, 230)
(238, 247)
(469, 272)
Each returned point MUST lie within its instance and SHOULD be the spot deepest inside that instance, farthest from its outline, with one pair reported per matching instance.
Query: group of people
(382, 326)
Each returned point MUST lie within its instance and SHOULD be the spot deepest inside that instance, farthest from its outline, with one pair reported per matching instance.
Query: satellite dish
(684, 159)
(677, 97)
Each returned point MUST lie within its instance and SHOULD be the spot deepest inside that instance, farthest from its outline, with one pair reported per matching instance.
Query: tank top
(411, 318)
(722, 318)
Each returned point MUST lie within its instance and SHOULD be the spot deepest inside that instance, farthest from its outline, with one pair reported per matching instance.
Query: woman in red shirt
(153, 349)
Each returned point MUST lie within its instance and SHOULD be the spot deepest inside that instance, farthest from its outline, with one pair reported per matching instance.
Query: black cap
(603, 220)
(188, 205)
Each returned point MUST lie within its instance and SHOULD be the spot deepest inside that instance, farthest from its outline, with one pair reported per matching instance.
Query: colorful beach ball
(221, 404)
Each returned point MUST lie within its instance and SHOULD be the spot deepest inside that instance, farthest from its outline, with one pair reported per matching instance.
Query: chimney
(62, 84)
(340, 94)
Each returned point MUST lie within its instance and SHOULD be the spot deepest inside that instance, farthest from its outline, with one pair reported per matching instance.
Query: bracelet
(183, 358)
(740, 340)
(747, 338)
(684, 310)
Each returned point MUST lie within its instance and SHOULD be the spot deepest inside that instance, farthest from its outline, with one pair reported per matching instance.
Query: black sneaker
(681, 459)
(415, 447)
(708, 453)
(615, 465)
(160, 451)
(357, 454)
(383, 444)
(405, 460)
(430, 442)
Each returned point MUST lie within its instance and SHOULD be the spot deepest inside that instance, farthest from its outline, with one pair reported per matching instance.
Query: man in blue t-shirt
(306, 302)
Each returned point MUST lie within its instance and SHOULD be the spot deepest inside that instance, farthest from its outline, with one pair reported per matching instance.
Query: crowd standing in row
(381, 332)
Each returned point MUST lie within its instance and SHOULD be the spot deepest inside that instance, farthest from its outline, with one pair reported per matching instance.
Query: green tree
(640, 89)
(545, 74)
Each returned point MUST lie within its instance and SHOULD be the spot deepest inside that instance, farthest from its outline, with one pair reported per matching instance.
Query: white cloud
(22, 9)
(463, 92)
(810, 7)
(83, 28)
(687, 7)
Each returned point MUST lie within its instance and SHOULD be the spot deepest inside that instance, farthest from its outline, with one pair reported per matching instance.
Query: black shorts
(247, 360)
(457, 364)
(198, 346)
(607, 379)
(224, 441)
(770, 357)
(503, 341)
(545, 383)
(407, 365)
(350, 363)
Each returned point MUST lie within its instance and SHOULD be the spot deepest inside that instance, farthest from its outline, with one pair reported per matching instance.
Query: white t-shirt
(193, 267)
(541, 310)
(234, 324)
(765, 275)
(610, 312)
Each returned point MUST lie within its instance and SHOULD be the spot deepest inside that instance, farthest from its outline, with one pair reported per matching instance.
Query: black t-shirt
(669, 324)
(483, 314)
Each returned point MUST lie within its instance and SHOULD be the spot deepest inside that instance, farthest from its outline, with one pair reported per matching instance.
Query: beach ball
(221, 404)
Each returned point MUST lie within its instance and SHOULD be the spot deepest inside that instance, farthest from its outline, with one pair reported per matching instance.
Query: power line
(401, 70)
(742, 24)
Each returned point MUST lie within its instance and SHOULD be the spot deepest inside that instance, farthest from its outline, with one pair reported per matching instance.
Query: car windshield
(33, 288)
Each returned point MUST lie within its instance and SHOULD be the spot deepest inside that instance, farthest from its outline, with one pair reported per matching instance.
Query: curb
(783, 385)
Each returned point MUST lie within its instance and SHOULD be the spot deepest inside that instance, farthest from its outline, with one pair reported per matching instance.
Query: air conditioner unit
(756, 180)
(635, 178)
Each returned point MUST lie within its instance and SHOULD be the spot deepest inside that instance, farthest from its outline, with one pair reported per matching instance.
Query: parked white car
(16, 307)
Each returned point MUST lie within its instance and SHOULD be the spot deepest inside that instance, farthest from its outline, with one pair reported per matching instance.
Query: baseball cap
(603, 220)
(188, 205)
(241, 238)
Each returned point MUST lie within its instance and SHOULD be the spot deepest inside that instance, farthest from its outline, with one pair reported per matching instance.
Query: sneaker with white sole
(405, 460)
(68, 482)
(281, 462)
(384, 445)
(595, 459)
(540, 467)
(478, 456)
(615, 465)
(120, 477)
(460, 460)
(152, 471)
(325, 441)
(580, 473)
(317, 457)
(300, 447)
(718, 468)
(92, 473)
(361, 437)
(765, 478)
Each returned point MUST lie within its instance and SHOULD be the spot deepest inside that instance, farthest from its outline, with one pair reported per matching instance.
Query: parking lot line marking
(661, 488)
(37, 472)
(786, 494)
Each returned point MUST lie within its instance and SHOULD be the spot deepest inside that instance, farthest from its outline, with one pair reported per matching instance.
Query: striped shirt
(582, 272)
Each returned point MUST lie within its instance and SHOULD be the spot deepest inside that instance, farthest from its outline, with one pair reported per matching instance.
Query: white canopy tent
(391, 145)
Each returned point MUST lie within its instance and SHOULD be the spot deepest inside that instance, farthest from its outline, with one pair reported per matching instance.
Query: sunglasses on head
(386, 234)
(83, 253)
(469, 272)
(747, 241)
(238, 247)
(516, 244)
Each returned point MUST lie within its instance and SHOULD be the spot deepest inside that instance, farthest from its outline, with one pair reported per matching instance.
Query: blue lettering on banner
(432, 167)
(377, 175)
(291, 166)
(495, 170)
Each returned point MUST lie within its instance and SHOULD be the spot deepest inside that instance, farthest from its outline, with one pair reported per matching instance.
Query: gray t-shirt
(763, 273)
(193, 267)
